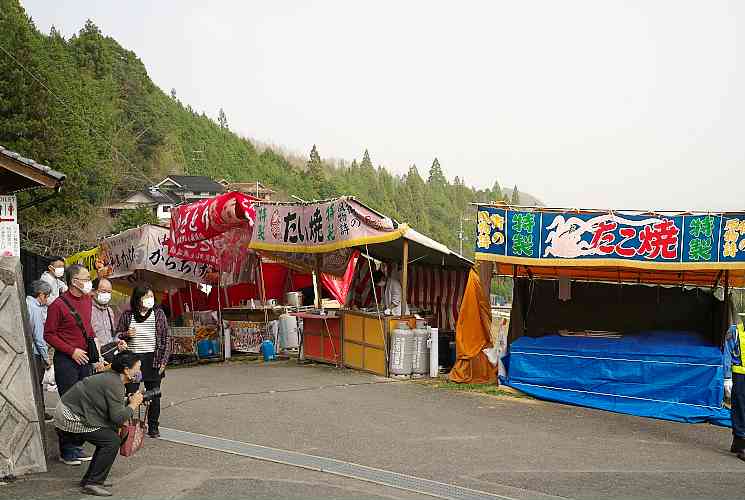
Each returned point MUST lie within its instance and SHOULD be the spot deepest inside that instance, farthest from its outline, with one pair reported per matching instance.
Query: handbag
(92, 348)
(132, 434)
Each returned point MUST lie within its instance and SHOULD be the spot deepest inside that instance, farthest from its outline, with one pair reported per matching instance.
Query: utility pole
(461, 237)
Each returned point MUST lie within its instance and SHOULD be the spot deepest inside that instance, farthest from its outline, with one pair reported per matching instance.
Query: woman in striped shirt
(145, 328)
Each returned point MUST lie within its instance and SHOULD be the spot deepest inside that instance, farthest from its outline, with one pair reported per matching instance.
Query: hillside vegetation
(86, 106)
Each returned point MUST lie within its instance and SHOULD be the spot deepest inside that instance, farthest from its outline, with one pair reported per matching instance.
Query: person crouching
(93, 410)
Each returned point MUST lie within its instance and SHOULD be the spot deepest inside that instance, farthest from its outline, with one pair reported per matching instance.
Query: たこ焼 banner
(555, 238)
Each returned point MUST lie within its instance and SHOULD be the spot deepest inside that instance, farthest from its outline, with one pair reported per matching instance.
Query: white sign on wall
(10, 240)
(8, 209)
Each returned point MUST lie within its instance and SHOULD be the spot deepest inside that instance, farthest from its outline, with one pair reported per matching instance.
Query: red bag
(132, 434)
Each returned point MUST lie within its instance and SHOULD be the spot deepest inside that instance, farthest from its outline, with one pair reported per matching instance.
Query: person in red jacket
(69, 337)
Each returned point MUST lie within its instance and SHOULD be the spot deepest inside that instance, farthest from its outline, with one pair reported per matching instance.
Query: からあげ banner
(320, 227)
(655, 241)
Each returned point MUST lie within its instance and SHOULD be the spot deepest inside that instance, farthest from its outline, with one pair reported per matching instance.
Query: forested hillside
(86, 106)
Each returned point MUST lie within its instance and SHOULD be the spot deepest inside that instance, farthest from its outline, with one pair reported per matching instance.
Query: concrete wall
(21, 443)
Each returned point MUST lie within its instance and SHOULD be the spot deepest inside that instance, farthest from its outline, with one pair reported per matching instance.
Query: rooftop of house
(194, 183)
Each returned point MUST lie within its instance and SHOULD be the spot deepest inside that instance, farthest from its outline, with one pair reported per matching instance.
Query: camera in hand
(150, 395)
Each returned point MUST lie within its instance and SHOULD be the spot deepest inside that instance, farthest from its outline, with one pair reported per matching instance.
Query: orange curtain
(472, 336)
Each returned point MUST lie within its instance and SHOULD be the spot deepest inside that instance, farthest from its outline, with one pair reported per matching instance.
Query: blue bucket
(267, 350)
(205, 348)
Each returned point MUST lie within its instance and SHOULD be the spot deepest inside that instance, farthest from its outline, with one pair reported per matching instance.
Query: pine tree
(496, 192)
(515, 200)
(317, 177)
(436, 177)
(223, 120)
(366, 162)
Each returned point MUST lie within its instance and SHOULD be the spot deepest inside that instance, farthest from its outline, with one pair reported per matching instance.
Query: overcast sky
(581, 103)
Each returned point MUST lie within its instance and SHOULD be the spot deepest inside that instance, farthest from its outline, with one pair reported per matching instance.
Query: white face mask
(87, 287)
(59, 272)
(103, 298)
(148, 302)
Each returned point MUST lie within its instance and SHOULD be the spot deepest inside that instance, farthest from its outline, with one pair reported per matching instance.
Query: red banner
(213, 230)
(339, 287)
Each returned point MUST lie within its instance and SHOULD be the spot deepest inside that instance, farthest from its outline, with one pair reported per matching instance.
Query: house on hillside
(256, 189)
(171, 191)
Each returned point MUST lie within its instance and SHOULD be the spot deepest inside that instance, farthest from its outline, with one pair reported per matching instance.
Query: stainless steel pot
(294, 299)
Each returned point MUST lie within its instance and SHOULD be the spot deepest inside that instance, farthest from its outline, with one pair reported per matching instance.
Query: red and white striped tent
(436, 281)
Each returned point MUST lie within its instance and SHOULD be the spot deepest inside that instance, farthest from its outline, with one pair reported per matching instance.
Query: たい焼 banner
(320, 227)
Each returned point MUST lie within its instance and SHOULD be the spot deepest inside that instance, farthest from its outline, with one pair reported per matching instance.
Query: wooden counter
(366, 340)
(247, 314)
(322, 338)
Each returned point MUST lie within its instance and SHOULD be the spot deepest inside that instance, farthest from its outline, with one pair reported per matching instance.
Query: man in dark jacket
(69, 337)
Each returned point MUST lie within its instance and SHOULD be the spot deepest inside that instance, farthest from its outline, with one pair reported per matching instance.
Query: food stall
(322, 237)
(142, 254)
(624, 311)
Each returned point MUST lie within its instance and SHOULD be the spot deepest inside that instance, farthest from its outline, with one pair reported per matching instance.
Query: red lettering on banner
(628, 233)
(603, 238)
(659, 238)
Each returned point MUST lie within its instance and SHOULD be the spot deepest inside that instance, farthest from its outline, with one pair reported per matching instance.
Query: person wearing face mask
(36, 304)
(102, 318)
(54, 277)
(145, 329)
(92, 411)
(68, 329)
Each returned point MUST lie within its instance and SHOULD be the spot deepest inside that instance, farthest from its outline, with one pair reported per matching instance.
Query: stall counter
(322, 337)
(366, 340)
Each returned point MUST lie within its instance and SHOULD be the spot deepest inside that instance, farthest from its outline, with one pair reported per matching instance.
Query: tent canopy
(686, 248)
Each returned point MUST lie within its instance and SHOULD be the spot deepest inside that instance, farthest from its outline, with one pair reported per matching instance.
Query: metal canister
(402, 350)
(420, 363)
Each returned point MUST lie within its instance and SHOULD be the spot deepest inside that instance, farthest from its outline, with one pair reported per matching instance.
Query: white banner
(145, 248)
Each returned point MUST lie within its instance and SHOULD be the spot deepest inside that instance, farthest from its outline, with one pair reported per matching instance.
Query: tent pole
(405, 279)
(726, 306)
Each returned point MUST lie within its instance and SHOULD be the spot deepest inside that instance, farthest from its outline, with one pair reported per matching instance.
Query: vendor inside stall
(392, 294)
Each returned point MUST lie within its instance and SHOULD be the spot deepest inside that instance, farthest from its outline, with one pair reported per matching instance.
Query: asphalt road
(516, 448)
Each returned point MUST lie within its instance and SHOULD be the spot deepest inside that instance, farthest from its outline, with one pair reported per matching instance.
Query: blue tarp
(660, 374)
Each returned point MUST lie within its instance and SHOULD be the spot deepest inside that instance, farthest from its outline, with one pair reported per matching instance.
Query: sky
(612, 104)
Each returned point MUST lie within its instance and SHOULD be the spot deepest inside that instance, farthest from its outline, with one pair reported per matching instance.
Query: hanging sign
(319, 227)
(8, 209)
(610, 238)
(10, 234)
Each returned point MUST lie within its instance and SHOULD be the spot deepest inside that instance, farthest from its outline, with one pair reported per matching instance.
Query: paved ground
(518, 448)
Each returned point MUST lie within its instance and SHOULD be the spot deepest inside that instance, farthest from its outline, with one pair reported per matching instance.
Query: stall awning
(422, 251)
(639, 247)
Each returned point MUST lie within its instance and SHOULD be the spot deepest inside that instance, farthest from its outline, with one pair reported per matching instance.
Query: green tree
(222, 119)
(129, 219)
(436, 176)
(515, 199)
(496, 192)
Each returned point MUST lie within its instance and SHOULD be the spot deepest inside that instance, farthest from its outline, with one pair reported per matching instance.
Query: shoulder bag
(92, 348)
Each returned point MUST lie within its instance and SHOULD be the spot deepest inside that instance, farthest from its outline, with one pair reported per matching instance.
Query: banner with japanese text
(684, 241)
(319, 227)
(144, 248)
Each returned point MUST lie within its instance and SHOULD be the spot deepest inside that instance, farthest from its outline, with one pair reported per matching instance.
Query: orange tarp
(472, 336)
